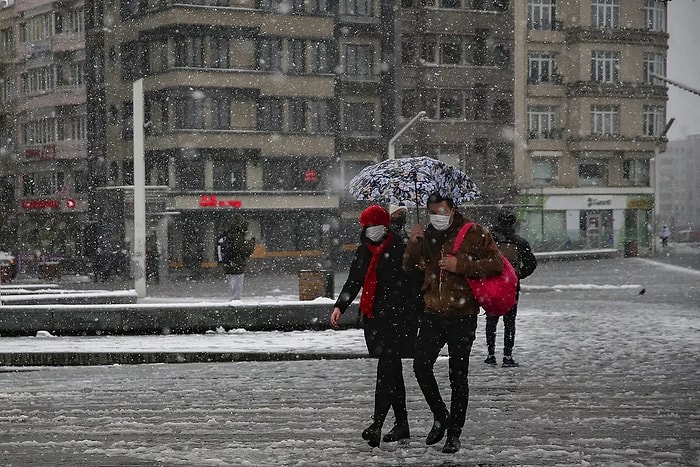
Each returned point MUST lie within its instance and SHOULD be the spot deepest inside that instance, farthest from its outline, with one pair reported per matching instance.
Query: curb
(24, 359)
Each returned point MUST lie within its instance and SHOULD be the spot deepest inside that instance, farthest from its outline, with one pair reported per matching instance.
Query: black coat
(396, 304)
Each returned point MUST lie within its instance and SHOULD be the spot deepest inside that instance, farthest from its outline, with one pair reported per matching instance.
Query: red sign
(70, 203)
(310, 176)
(39, 204)
(47, 151)
(212, 202)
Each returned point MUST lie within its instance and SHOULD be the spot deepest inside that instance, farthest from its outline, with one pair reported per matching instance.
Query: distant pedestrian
(232, 253)
(388, 307)
(665, 234)
(520, 255)
(451, 310)
(399, 213)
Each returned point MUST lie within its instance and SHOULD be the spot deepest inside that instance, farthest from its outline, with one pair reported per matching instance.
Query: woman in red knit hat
(389, 307)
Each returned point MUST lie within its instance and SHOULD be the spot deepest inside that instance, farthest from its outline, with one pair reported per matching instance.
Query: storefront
(557, 222)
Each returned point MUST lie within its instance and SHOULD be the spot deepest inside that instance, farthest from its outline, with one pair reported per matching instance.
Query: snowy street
(608, 376)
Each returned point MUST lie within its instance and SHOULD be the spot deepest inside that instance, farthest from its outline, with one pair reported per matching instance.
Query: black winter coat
(397, 301)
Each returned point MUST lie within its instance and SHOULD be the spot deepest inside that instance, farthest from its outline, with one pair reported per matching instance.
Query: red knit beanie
(375, 215)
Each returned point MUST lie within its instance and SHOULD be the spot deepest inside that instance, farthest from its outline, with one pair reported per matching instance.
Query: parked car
(8, 267)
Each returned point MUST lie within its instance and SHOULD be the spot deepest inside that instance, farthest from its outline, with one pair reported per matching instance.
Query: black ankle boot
(436, 432)
(373, 434)
(452, 444)
(398, 432)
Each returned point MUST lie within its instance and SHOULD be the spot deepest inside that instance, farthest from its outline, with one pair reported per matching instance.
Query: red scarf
(369, 288)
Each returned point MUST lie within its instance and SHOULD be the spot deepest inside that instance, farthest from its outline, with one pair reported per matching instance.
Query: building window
(297, 116)
(189, 112)
(541, 14)
(544, 171)
(441, 104)
(229, 174)
(653, 120)
(541, 122)
(270, 114)
(8, 43)
(356, 7)
(190, 172)
(322, 57)
(408, 49)
(270, 54)
(357, 60)
(605, 120)
(654, 64)
(219, 52)
(605, 14)
(593, 172)
(358, 117)
(450, 51)
(480, 100)
(221, 112)
(189, 51)
(635, 172)
(541, 67)
(409, 103)
(655, 15)
(296, 56)
(320, 116)
(322, 6)
(605, 66)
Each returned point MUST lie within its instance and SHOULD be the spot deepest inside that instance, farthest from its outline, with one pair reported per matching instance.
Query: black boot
(452, 444)
(437, 431)
(398, 432)
(373, 433)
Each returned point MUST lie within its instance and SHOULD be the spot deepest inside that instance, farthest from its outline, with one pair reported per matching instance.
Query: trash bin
(49, 270)
(314, 284)
(631, 249)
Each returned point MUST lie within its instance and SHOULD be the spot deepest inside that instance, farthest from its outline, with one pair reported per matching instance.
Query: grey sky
(684, 67)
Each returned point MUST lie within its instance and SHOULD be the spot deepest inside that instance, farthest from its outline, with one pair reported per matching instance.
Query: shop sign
(40, 204)
(47, 151)
(211, 202)
(593, 203)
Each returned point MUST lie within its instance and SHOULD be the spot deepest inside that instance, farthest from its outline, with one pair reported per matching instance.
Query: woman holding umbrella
(388, 306)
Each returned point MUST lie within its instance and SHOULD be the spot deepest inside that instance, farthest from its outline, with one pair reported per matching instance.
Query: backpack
(224, 249)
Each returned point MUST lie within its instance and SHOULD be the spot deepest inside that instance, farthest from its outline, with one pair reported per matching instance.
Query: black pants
(382, 338)
(508, 332)
(458, 334)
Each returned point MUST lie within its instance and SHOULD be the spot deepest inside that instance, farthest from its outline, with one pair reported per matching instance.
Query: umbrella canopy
(412, 180)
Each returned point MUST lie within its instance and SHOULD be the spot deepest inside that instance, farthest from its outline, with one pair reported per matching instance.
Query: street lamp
(392, 141)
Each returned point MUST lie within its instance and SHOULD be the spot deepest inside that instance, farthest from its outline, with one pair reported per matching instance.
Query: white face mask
(440, 221)
(375, 232)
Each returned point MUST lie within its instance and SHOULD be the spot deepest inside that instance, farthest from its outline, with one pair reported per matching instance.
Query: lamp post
(139, 254)
(392, 141)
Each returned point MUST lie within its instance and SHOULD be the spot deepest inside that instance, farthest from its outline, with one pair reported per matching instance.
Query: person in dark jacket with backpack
(388, 307)
(518, 251)
(232, 253)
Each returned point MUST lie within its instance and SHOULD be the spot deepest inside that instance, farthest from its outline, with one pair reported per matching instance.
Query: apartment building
(43, 124)
(589, 117)
(269, 108)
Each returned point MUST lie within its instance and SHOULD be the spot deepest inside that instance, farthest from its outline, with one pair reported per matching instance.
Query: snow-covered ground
(608, 376)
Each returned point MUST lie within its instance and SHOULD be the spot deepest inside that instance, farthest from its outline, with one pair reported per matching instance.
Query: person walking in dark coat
(388, 317)
(451, 311)
(232, 253)
(518, 251)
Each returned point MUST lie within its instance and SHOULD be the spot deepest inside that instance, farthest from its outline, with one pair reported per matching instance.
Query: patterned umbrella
(412, 180)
